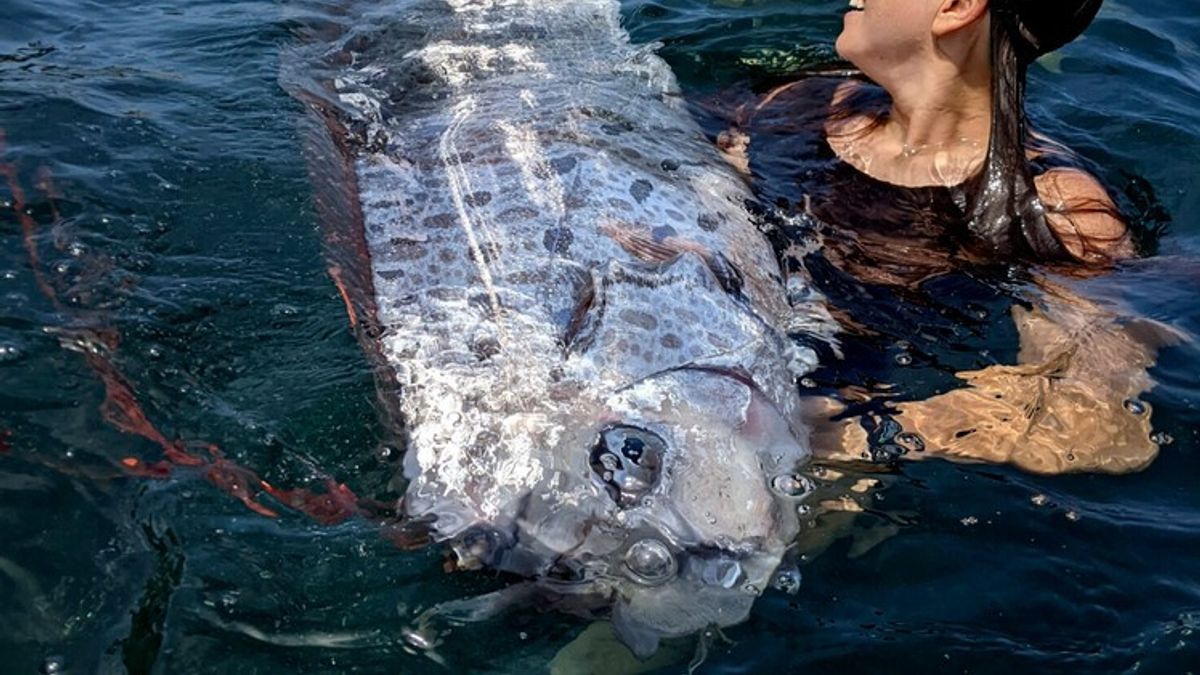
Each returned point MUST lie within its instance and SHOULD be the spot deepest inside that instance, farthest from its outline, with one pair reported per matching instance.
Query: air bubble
(969, 521)
(1162, 438)
(787, 581)
(910, 441)
(803, 510)
(1072, 516)
(52, 665)
(650, 562)
(1039, 499)
(1135, 406)
(791, 485)
(904, 359)
(808, 383)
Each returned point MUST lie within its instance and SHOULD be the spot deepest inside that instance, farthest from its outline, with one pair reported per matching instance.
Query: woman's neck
(938, 110)
(936, 131)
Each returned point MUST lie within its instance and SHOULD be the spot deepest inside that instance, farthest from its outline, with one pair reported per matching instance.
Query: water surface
(165, 194)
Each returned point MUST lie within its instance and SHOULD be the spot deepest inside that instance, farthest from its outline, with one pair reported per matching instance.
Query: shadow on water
(166, 200)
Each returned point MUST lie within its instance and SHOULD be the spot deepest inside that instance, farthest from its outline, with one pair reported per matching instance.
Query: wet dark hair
(1004, 210)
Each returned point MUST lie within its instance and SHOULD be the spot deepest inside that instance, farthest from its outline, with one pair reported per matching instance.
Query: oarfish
(585, 332)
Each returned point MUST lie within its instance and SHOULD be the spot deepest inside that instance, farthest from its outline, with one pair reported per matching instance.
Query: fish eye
(650, 562)
(627, 462)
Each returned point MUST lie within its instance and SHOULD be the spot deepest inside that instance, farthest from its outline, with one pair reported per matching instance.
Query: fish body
(561, 276)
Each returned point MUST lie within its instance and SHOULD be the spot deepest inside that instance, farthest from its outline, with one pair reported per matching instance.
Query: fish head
(677, 515)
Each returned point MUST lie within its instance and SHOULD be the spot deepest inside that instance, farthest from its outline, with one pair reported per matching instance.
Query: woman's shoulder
(1082, 214)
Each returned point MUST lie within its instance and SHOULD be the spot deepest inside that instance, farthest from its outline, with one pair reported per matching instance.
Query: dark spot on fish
(446, 293)
(674, 215)
(661, 233)
(620, 204)
(563, 164)
(613, 129)
(440, 221)
(483, 302)
(447, 255)
(575, 201)
(670, 165)
(642, 320)
(478, 199)
(708, 222)
(518, 213)
(671, 341)
(526, 277)
(407, 249)
(484, 442)
(391, 275)
(631, 154)
(641, 189)
(485, 347)
(558, 240)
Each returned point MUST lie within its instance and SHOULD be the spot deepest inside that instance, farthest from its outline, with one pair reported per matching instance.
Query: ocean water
(162, 209)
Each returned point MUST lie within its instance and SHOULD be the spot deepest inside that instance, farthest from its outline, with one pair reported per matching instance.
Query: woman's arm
(1084, 217)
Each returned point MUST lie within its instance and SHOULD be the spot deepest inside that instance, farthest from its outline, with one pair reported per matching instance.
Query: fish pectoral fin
(487, 606)
(585, 316)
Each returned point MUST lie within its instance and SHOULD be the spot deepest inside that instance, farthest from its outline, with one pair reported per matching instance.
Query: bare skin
(1063, 406)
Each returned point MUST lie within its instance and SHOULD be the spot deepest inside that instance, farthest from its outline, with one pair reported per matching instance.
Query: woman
(928, 169)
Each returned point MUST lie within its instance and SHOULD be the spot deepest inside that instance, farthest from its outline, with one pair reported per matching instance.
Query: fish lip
(722, 371)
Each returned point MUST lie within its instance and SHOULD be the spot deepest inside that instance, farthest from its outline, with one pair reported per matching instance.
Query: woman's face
(881, 34)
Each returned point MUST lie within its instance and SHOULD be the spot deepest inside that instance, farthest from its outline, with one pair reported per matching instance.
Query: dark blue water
(166, 201)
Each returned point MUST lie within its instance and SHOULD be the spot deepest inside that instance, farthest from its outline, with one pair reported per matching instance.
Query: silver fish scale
(546, 229)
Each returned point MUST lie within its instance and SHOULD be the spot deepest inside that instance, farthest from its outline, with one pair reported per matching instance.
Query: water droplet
(8, 275)
(808, 383)
(1072, 516)
(1039, 499)
(611, 463)
(803, 510)
(904, 359)
(154, 352)
(523, 635)
(1070, 457)
(911, 441)
(969, 521)
(9, 353)
(791, 485)
(787, 581)
(670, 164)
(752, 589)
(1162, 438)
(1135, 406)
